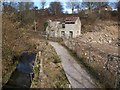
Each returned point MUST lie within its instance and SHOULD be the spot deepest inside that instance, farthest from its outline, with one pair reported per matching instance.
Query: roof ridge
(70, 18)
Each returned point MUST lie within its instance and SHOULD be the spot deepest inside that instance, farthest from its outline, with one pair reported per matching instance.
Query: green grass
(55, 39)
(56, 59)
(54, 76)
(36, 69)
(61, 80)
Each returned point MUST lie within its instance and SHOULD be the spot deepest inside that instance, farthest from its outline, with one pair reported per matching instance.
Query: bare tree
(89, 5)
(9, 6)
(55, 8)
(73, 4)
(22, 6)
(99, 4)
(25, 14)
(118, 8)
(116, 5)
(43, 3)
(29, 5)
(78, 7)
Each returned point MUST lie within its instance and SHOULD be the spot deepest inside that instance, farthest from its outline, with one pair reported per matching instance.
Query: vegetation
(36, 69)
(45, 25)
(17, 23)
(73, 4)
(55, 39)
(83, 62)
(42, 4)
(118, 6)
(15, 38)
(52, 75)
(56, 8)
(56, 59)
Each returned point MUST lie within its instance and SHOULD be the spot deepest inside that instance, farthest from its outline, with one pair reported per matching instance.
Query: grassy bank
(93, 73)
(52, 75)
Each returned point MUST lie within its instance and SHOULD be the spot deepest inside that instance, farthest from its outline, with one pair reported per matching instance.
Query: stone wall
(54, 29)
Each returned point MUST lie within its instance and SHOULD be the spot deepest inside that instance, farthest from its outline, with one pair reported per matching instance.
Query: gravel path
(76, 75)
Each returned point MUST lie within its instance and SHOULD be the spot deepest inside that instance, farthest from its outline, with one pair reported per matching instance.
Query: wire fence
(105, 62)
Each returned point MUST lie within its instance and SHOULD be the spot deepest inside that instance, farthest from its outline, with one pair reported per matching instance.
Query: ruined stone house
(69, 27)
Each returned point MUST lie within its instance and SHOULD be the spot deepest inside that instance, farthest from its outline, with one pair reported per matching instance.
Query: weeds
(56, 59)
(36, 69)
(94, 74)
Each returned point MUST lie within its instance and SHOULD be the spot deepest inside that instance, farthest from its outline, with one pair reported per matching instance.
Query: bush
(56, 59)
(55, 39)
(36, 69)
(105, 15)
(92, 17)
(45, 25)
(89, 18)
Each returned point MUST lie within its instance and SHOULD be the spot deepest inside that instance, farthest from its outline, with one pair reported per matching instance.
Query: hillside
(13, 44)
(18, 39)
(102, 32)
(98, 49)
(95, 50)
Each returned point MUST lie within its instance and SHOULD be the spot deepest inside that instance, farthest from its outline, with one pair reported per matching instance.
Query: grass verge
(93, 73)
(52, 75)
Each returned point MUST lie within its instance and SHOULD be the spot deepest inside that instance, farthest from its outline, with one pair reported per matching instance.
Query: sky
(47, 5)
(37, 3)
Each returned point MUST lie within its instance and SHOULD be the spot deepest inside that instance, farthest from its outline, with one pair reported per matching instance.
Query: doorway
(71, 34)
(62, 33)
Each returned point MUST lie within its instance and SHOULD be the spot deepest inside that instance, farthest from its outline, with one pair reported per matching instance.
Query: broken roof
(72, 19)
(68, 19)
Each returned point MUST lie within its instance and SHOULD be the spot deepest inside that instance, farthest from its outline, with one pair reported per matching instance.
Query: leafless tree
(55, 8)
(118, 6)
(73, 4)
(43, 3)
(89, 5)
(99, 4)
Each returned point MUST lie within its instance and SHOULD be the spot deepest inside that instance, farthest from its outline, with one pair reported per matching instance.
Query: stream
(23, 74)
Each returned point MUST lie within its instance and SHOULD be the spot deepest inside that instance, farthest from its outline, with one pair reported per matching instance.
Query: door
(71, 34)
(62, 33)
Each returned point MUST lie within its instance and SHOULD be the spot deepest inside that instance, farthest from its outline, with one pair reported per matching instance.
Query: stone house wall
(55, 29)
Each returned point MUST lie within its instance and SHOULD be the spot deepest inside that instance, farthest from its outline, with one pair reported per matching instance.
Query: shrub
(56, 59)
(45, 25)
(55, 39)
(92, 17)
(36, 69)
(107, 15)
